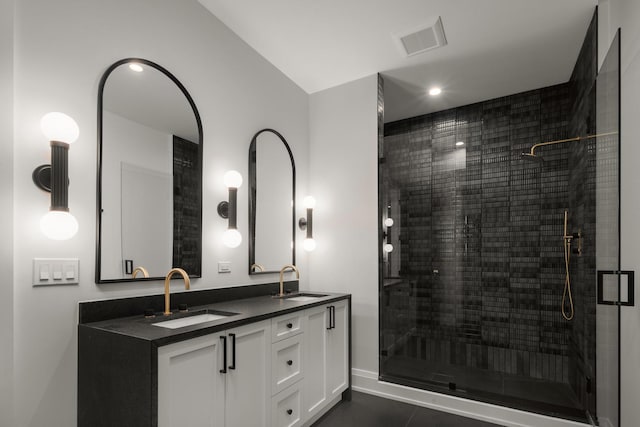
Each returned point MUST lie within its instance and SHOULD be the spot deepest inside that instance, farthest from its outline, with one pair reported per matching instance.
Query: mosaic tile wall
(480, 233)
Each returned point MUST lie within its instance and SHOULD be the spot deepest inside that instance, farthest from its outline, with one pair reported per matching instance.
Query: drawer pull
(289, 362)
(289, 325)
(289, 411)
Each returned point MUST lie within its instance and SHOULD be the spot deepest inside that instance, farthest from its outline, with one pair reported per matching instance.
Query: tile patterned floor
(366, 410)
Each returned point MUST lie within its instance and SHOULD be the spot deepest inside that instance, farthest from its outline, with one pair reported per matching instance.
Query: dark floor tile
(424, 417)
(366, 410)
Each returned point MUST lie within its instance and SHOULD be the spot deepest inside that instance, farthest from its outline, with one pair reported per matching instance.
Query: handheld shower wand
(566, 293)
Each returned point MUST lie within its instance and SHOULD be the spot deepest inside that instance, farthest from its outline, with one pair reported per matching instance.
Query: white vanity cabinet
(327, 351)
(200, 385)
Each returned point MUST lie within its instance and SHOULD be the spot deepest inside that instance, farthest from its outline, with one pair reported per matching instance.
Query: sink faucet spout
(287, 267)
(167, 280)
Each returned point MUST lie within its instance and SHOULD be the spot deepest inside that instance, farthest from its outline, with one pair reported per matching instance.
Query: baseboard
(367, 382)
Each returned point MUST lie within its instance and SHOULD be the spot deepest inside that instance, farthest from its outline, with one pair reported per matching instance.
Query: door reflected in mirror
(272, 179)
(149, 174)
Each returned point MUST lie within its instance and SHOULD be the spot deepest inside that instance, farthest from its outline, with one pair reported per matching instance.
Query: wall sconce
(228, 209)
(388, 223)
(61, 130)
(309, 243)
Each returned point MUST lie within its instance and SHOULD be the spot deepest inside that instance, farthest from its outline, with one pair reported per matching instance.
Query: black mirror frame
(184, 91)
(252, 201)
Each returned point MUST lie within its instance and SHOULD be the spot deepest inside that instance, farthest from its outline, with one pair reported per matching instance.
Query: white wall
(6, 213)
(626, 14)
(344, 180)
(62, 48)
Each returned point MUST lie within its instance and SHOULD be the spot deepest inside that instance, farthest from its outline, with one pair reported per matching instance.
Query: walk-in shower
(488, 262)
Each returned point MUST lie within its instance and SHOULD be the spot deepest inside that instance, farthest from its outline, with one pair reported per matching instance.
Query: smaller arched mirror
(272, 192)
(149, 206)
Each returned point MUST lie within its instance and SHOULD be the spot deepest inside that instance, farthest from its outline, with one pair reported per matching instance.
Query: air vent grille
(423, 39)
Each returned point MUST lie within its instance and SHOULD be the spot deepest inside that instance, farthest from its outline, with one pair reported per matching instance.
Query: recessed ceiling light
(459, 143)
(135, 67)
(435, 91)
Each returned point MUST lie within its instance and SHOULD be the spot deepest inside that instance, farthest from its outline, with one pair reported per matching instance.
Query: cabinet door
(338, 349)
(248, 397)
(315, 359)
(190, 385)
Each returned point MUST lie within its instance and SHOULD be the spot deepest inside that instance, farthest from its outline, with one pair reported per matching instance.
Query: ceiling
(494, 47)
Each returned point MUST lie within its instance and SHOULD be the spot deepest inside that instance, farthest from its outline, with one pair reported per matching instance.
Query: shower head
(532, 157)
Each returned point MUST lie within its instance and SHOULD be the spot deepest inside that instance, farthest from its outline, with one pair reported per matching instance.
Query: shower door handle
(630, 301)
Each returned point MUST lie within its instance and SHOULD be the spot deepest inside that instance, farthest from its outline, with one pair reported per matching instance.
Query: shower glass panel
(475, 262)
(607, 403)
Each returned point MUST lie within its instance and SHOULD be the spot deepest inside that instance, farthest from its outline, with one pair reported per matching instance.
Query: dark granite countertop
(249, 310)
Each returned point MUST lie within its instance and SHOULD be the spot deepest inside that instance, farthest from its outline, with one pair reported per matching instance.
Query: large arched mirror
(272, 192)
(149, 206)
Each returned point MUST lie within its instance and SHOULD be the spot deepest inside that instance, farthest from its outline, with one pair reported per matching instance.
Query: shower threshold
(513, 391)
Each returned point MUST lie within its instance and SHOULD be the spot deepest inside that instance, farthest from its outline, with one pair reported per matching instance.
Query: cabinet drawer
(286, 363)
(286, 326)
(286, 407)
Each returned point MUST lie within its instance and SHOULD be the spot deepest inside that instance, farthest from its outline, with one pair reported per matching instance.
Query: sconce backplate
(42, 177)
(223, 209)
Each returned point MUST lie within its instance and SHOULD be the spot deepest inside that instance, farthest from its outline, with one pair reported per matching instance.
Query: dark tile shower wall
(481, 255)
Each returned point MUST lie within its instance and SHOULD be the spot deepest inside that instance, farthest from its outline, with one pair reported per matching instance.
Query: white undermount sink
(305, 297)
(193, 320)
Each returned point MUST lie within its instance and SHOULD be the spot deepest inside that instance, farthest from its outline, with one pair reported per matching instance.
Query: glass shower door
(611, 289)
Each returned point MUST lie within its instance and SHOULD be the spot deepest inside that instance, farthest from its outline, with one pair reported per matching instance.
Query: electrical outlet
(55, 271)
(224, 267)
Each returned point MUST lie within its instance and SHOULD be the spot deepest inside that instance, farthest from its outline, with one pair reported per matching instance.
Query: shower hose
(566, 294)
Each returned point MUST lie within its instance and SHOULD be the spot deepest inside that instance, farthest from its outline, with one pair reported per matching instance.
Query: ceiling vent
(422, 39)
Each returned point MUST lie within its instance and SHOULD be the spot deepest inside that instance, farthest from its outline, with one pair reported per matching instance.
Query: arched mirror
(272, 192)
(149, 205)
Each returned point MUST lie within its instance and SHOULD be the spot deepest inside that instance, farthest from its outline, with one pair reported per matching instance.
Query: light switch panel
(55, 271)
(224, 267)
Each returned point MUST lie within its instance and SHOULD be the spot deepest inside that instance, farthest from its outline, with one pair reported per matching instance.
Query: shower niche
(485, 293)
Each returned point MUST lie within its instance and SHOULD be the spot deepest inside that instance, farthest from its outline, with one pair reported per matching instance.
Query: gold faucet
(140, 269)
(287, 267)
(167, 279)
(257, 267)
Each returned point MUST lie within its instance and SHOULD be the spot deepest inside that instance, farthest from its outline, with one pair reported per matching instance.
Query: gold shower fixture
(532, 156)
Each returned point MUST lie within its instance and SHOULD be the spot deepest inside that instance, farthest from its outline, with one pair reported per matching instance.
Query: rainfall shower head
(532, 157)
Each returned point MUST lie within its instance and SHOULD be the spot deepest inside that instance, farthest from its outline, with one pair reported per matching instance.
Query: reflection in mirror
(272, 180)
(149, 174)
